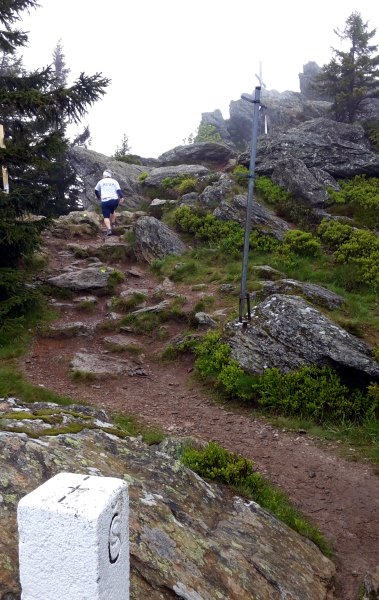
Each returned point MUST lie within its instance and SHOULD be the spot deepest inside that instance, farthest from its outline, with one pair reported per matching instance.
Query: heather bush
(301, 242)
(361, 195)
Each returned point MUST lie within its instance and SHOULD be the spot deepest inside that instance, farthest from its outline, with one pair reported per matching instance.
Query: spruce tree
(59, 64)
(34, 117)
(352, 75)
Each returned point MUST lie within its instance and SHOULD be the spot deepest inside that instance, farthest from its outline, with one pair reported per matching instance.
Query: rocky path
(341, 497)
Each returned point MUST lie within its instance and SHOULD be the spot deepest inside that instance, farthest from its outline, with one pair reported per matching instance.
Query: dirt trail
(341, 497)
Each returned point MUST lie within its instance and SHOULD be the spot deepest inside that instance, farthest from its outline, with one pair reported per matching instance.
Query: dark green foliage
(315, 393)
(285, 204)
(10, 39)
(270, 191)
(361, 196)
(357, 248)
(301, 243)
(352, 74)
(228, 236)
(35, 113)
(241, 175)
(310, 392)
(207, 133)
(82, 139)
(122, 151)
(215, 463)
(59, 64)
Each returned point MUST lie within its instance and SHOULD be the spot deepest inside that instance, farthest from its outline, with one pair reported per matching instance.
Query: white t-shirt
(107, 187)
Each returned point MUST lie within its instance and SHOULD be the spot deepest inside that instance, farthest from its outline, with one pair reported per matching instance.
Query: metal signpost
(244, 295)
(4, 169)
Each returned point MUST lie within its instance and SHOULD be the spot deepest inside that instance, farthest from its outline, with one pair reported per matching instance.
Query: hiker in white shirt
(109, 192)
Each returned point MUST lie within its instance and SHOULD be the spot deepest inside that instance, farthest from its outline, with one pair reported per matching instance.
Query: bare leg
(107, 223)
(113, 219)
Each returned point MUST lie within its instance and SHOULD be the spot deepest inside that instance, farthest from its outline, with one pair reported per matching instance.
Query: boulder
(293, 175)
(286, 332)
(340, 149)
(98, 366)
(68, 330)
(205, 321)
(90, 278)
(219, 190)
(203, 153)
(153, 239)
(188, 539)
(157, 175)
(89, 167)
(84, 223)
(262, 218)
(314, 293)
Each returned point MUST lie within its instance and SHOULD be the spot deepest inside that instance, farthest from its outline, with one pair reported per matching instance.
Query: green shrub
(228, 236)
(213, 362)
(361, 194)
(114, 279)
(241, 175)
(207, 133)
(357, 248)
(186, 185)
(126, 304)
(270, 191)
(301, 242)
(217, 464)
(143, 176)
(313, 392)
(334, 233)
(310, 392)
(183, 270)
(214, 462)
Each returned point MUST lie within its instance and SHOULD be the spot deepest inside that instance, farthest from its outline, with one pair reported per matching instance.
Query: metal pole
(4, 169)
(244, 296)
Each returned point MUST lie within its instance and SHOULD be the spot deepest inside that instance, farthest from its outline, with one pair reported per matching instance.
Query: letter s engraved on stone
(114, 544)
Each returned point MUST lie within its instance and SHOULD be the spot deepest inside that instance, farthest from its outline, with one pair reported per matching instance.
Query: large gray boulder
(158, 174)
(340, 149)
(294, 176)
(153, 239)
(315, 294)
(89, 166)
(188, 539)
(217, 191)
(286, 332)
(203, 153)
(89, 278)
(262, 218)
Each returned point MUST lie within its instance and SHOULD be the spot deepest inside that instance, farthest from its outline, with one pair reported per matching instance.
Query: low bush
(241, 175)
(186, 185)
(270, 191)
(310, 392)
(358, 248)
(301, 242)
(228, 236)
(217, 464)
(315, 393)
(361, 195)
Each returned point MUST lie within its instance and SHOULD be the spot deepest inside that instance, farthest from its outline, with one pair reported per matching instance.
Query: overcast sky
(171, 60)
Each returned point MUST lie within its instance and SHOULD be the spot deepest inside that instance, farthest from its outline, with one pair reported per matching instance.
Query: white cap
(107, 174)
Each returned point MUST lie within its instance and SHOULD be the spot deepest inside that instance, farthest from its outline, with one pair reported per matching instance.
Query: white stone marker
(74, 539)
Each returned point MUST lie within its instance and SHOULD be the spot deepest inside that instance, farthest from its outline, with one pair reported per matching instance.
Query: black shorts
(108, 207)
